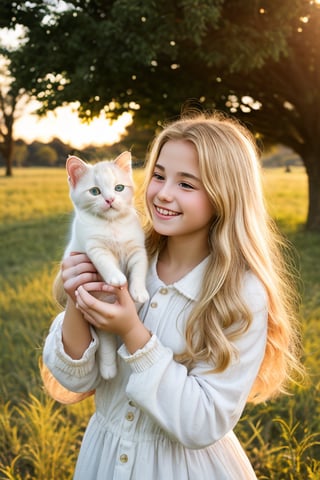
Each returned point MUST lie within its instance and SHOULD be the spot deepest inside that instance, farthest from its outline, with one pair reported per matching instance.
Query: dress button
(153, 305)
(123, 458)
(130, 416)
(131, 403)
(163, 291)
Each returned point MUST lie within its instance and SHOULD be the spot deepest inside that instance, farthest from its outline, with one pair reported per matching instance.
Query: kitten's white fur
(107, 228)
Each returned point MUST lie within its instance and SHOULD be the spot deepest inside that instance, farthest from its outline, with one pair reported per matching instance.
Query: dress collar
(189, 285)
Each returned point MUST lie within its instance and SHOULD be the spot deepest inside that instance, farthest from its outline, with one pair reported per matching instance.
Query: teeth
(164, 211)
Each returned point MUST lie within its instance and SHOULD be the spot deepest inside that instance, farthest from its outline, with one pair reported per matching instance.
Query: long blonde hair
(242, 237)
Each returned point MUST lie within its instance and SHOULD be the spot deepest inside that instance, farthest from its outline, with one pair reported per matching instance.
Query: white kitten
(106, 227)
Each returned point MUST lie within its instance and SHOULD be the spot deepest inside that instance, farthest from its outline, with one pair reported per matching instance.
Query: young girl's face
(176, 197)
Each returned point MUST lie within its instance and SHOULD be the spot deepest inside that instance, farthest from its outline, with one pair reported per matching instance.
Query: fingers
(85, 300)
(76, 270)
(96, 286)
(78, 262)
(120, 294)
(92, 309)
(86, 297)
(115, 316)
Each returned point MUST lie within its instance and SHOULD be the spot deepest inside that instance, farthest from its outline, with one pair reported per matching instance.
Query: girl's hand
(119, 317)
(76, 270)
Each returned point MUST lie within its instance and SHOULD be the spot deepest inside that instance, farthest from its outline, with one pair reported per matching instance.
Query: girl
(217, 332)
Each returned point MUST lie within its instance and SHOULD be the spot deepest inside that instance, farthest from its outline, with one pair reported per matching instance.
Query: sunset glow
(65, 125)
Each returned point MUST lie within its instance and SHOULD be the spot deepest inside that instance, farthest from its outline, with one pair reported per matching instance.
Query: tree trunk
(8, 167)
(7, 150)
(313, 172)
(7, 153)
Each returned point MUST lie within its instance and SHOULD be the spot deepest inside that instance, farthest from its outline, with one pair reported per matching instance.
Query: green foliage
(282, 436)
(156, 58)
(114, 55)
(40, 439)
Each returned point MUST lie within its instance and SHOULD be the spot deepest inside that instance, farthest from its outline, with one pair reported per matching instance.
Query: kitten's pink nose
(109, 200)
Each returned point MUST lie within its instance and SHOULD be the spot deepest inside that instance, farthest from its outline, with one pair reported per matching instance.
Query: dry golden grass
(38, 438)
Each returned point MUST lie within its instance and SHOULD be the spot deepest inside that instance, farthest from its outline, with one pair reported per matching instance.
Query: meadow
(39, 439)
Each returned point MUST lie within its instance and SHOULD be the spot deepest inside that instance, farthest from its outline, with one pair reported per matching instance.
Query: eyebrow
(181, 174)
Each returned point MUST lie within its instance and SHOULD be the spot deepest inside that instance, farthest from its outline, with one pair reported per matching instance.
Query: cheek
(204, 207)
(124, 198)
(209, 211)
(151, 192)
(92, 204)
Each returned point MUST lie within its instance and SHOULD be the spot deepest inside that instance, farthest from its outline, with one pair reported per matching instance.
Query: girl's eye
(95, 191)
(119, 188)
(187, 186)
(157, 176)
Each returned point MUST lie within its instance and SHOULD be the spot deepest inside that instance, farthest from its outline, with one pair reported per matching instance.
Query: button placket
(157, 303)
(125, 457)
(130, 416)
(163, 290)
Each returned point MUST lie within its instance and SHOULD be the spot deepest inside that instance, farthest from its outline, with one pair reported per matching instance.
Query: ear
(124, 161)
(75, 168)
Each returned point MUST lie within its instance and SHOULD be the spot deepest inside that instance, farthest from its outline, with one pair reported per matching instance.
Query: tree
(7, 107)
(281, 99)
(20, 153)
(122, 54)
(46, 155)
(256, 59)
(10, 98)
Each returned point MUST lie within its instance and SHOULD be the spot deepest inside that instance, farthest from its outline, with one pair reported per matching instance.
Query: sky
(64, 124)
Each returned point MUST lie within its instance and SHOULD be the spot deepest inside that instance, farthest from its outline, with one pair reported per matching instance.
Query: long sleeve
(76, 375)
(197, 408)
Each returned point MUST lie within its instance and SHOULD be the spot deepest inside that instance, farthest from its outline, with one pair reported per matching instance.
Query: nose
(109, 200)
(165, 192)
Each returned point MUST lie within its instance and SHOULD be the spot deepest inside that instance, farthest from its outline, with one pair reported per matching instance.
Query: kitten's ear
(75, 168)
(124, 161)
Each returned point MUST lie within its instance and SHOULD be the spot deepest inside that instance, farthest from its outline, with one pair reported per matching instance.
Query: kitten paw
(139, 295)
(108, 371)
(117, 279)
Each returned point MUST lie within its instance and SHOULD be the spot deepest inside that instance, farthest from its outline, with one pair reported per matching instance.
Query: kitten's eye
(119, 188)
(95, 191)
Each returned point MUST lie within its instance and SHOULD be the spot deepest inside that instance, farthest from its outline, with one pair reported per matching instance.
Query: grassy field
(38, 438)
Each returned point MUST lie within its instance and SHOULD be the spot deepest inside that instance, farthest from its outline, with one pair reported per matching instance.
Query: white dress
(155, 420)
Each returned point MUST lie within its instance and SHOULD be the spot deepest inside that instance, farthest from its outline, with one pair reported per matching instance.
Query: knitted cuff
(145, 357)
(83, 365)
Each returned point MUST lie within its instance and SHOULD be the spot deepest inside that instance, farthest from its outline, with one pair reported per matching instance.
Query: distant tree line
(55, 152)
(256, 59)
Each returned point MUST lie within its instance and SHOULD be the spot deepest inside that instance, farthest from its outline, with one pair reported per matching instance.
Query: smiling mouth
(165, 212)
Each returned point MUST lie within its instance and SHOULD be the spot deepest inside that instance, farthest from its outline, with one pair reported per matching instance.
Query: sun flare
(65, 125)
